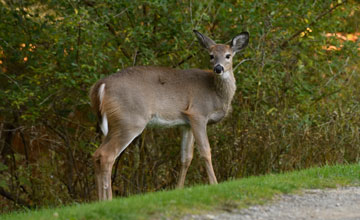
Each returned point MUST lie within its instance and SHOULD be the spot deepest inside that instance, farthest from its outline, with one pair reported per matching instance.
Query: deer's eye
(228, 56)
(211, 57)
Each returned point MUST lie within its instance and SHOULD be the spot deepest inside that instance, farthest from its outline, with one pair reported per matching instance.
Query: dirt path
(329, 204)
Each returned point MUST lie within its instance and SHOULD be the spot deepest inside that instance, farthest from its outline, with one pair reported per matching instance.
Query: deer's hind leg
(104, 157)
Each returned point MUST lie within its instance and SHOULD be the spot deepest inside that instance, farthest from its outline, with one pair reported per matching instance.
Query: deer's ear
(239, 42)
(204, 40)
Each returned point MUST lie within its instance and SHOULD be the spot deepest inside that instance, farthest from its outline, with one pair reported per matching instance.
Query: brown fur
(137, 96)
(136, 88)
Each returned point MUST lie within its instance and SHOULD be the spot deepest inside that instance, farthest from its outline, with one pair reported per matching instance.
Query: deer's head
(221, 55)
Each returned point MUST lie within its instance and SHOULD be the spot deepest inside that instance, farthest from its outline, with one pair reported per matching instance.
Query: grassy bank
(199, 199)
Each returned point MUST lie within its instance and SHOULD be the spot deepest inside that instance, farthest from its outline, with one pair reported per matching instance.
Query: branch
(18, 201)
(286, 42)
(110, 27)
(184, 60)
(243, 61)
(78, 44)
(315, 100)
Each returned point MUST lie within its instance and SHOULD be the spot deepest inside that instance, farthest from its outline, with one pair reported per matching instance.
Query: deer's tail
(97, 94)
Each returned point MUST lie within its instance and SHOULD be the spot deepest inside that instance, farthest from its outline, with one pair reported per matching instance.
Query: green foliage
(296, 106)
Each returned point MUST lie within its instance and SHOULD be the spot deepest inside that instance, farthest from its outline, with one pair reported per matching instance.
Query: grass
(200, 199)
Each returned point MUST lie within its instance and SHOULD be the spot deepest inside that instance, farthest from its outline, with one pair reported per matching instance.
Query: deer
(143, 96)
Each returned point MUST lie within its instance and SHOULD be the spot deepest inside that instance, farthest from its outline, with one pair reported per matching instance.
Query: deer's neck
(225, 88)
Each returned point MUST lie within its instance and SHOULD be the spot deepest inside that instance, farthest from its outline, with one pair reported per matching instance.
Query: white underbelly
(216, 116)
(160, 122)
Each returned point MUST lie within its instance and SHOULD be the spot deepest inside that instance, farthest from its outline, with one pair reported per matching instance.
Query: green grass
(200, 199)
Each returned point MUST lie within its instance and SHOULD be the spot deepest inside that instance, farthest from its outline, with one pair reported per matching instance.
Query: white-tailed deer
(128, 101)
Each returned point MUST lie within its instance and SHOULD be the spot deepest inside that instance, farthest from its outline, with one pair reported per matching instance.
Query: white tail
(104, 123)
(136, 97)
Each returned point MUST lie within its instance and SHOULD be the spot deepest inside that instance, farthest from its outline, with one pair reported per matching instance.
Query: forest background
(297, 103)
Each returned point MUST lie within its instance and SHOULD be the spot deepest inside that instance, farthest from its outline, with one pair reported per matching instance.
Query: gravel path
(329, 204)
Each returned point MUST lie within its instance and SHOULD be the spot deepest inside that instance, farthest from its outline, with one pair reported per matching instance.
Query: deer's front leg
(198, 126)
(187, 150)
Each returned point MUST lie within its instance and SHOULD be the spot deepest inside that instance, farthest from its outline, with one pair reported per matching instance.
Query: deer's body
(136, 97)
(161, 95)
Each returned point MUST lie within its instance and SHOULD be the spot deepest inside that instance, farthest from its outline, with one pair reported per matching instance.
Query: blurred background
(297, 103)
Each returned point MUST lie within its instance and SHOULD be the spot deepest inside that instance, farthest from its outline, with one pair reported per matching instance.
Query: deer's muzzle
(218, 69)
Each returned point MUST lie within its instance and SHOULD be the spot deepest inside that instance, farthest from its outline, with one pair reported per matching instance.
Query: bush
(296, 106)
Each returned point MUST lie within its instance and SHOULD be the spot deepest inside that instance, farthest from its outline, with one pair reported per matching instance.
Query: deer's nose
(218, 69)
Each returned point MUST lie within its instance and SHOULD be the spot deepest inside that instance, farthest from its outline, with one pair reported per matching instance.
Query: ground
(328, 204)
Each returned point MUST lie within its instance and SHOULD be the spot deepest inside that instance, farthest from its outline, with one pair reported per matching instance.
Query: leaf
(3, 184)
(3, 167)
